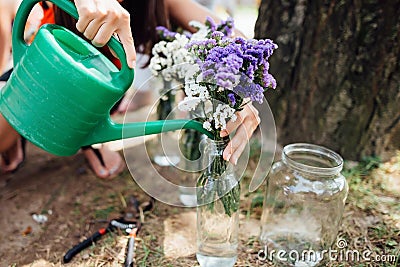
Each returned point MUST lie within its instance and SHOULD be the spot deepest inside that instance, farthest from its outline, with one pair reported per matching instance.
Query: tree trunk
(337, 68)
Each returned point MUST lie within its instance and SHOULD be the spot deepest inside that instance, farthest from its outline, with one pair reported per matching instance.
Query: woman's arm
(100, 19)
(184, 11)
(5, 37)
(8, 8)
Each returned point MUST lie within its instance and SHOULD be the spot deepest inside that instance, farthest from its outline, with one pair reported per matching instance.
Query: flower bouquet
(231, 72)
(166, 62)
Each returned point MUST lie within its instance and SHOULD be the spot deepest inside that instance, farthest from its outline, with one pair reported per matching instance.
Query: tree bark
(337, 68)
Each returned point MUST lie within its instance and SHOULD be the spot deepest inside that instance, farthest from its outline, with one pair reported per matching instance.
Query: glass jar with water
(218, 197)
(303, 205)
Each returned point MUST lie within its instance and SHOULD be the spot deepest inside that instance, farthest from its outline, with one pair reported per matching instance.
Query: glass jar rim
(316, 151)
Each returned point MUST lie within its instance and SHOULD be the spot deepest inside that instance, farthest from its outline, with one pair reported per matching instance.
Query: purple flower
(227, 26)
(235, 64)
(225, 63)
(165, 33)
(217, 35)
(232, 99)
(210, 23)
(270, 81)
(248, 89)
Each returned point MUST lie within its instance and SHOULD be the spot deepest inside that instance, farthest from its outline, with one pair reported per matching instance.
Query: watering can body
(62, 88)
(53, 102)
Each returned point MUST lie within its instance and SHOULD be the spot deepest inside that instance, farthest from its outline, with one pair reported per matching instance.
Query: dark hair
(146, 15)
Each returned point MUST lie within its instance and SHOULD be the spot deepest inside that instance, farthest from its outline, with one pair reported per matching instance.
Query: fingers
(247, 122)
(248, 113)
(236, 146)
(93, 30)
(231, 126)
(99, 20)
(86, 12)
(103, 34)
(129, 46)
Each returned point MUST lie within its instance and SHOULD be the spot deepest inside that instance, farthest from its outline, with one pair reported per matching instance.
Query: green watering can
(61, 91)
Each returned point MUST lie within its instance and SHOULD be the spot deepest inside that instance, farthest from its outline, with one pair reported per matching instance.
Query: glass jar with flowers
(168, 57)
(191, 163)
(229, 73)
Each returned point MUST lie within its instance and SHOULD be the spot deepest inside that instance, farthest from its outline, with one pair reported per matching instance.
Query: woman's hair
(146, 15)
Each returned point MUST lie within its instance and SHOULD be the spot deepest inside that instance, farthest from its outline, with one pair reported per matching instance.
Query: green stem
(211, 189)
(165, 107)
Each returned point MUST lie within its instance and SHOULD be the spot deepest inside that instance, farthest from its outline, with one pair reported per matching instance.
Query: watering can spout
(110, 131)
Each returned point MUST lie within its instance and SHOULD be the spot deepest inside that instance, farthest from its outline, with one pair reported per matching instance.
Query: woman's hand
(245, 124)
(100, 19)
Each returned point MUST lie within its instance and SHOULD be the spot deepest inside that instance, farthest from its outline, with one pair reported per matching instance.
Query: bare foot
(12, 159)
(105, 163)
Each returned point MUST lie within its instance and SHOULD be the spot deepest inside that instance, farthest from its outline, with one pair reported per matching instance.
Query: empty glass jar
(303, 205)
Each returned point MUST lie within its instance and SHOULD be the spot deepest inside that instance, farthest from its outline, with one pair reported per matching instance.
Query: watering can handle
(19, 45)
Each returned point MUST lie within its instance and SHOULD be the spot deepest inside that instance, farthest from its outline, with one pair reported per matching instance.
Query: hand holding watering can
(62, 89)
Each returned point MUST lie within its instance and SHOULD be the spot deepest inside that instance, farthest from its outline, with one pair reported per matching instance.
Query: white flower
(169, 58)
(203, 93)
(196, 90)
(222, 114)
(154, 66)
(166, 74)
(207, 126)
(189, 103)
(202, 31)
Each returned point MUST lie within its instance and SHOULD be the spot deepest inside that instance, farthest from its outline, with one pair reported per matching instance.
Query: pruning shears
(114, 225)
(130, 224)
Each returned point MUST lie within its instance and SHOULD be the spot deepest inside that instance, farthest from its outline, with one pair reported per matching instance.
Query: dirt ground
(77, 204)
(67, 192)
